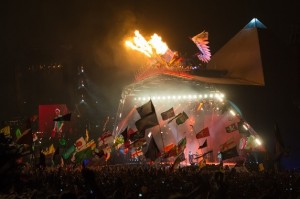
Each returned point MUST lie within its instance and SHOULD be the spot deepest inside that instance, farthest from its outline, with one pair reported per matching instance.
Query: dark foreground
(143, 181)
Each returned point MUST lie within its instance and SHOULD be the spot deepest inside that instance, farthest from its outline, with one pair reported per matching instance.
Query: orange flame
(149, 48)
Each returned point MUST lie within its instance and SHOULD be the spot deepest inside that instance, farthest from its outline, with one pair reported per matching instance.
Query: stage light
(139, 98)
(232, 112)
(258, 141)
(194, 96)
(200, 96)
(135, 98)
(144, 98)
(205, 96)
(184, 97)
(169, 97)
(211, 95)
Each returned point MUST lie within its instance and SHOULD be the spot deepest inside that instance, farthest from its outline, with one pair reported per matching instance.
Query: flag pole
(195, 133)
(162, 139)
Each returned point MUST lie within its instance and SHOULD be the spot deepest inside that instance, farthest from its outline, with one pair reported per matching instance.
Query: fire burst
(155, 46)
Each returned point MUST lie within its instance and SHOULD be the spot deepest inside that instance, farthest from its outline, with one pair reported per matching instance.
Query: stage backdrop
(46, 116)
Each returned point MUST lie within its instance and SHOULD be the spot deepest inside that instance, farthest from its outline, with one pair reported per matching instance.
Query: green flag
(181, 118)
(68, 153)
(18, 133)
(84, 154)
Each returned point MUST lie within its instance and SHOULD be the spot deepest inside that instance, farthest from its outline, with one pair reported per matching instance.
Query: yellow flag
(50, 150)
(86, 135)
(202, 164)
(261, 167)
(5, 131)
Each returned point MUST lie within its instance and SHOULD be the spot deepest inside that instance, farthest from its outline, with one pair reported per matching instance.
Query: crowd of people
(25, 178)
(147, 181)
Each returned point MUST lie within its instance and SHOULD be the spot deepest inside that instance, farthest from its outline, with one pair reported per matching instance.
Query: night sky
(91, 34)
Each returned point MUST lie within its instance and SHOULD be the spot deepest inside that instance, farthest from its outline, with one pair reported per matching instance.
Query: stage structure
(214, 123)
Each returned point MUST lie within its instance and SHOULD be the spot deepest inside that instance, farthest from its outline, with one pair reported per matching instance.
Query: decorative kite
(201, 41)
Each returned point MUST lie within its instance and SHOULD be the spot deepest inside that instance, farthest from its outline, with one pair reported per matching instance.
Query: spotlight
(258, 141)
(232, 112)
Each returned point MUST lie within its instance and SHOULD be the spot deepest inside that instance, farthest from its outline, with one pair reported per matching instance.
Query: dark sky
(91, 33)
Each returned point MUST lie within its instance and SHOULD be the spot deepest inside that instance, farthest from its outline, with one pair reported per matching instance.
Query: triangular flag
(203, 145)
(153, 151)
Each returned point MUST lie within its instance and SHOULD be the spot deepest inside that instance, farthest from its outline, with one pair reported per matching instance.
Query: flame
(155, 44)
(159, 46)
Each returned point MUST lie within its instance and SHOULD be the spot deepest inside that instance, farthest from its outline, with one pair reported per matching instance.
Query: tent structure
(195, 93)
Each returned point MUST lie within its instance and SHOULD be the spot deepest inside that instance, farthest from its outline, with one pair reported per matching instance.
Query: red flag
(136, 153)
(168, 147)
(203, 133)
